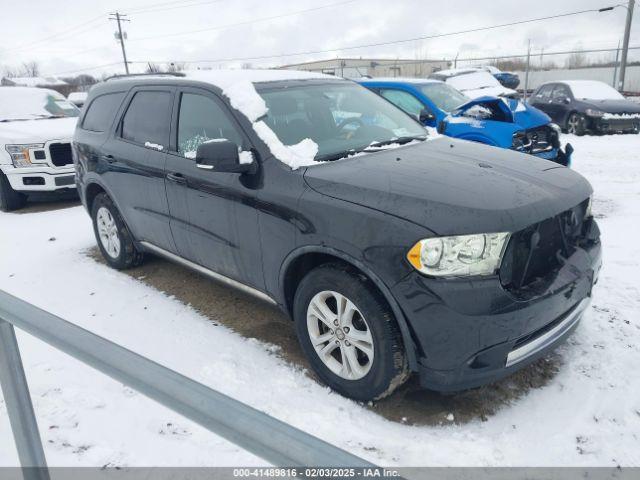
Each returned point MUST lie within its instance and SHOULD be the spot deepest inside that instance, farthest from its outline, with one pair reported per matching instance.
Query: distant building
(374, 67)
(43, 82)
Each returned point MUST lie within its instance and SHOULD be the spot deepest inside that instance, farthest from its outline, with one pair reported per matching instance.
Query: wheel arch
(302, 260)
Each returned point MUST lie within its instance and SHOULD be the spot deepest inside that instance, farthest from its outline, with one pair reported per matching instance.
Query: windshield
(444, 96)
(471, 81)
(594, 91)
(340, 117)
(18, 103)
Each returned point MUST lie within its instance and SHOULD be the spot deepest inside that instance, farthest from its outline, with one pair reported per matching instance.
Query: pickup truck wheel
(349, 334)
(114, 238)
(576, 124)
(9, 198)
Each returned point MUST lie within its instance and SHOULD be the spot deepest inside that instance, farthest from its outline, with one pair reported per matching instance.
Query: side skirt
(209, 273)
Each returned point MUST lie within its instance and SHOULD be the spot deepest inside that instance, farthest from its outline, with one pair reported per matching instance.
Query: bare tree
(153, 68)
(30, 69)
(576, 60)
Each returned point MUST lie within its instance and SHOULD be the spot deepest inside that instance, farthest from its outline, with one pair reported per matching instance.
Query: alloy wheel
(340, 335)
(108, 232)
(573, 124)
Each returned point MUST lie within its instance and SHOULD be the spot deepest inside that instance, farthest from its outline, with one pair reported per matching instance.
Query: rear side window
(100, 112)
(148, 118)
(404, 100)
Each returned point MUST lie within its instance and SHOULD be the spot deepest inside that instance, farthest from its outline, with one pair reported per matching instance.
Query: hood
(507, 110)
(37, 131)
(613, 106)
(454, 187)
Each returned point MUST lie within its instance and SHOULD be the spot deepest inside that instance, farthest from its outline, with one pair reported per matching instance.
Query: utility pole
(625, 44)
(119, 35)
(526, 74)
(615, 66)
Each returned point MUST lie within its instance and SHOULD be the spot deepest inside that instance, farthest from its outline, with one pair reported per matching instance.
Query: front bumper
(470, 332)
(614, 125)
(41, 179)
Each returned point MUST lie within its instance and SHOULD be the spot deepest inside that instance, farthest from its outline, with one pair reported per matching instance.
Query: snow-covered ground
(587, 415)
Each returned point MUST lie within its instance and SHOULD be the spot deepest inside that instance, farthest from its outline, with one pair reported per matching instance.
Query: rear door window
(201, 118)
(101, 111)
(403, 100)
(147, 119)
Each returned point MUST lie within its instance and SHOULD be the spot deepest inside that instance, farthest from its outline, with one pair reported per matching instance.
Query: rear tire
(10, 199)
(114, 238)
(360, 353)
(577, 124)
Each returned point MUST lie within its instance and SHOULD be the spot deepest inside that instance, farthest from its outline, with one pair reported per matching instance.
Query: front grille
(534, 254)
(537, 140)
(60, 154)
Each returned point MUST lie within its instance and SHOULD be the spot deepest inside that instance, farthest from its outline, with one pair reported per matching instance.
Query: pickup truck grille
(60, 154)
(535, 253)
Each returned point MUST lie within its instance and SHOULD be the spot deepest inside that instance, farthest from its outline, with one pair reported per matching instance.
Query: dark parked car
(391, 252)
(582, 106)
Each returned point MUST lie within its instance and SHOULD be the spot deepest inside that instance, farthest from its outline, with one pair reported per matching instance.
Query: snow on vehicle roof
(455, 71)
(21, 103)
(400, 79)
(592, 90)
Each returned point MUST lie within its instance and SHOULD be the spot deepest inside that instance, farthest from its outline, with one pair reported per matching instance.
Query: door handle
(177, 178)
(109, 158)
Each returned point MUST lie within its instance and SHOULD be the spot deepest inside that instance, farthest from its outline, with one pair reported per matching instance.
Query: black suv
(392, 252)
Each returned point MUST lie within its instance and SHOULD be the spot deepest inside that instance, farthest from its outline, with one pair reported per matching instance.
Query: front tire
(349, 334)
(10, 199)
(577, 124)
(114, 238)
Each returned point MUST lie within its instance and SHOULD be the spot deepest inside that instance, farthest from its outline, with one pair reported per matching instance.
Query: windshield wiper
(336, 156)
(373, 147)
(393, 141)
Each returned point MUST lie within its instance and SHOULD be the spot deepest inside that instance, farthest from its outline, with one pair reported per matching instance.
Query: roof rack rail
(171, 74)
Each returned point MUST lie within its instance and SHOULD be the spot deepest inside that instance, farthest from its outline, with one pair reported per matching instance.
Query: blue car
(500, 122)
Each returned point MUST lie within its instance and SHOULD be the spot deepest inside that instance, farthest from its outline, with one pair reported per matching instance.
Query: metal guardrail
(273, 440)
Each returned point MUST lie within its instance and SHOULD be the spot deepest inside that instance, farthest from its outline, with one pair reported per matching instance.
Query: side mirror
(220, 155)
(566, 100)
(426, 116)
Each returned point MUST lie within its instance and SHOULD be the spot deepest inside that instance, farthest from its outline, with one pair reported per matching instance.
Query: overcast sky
(75, 35)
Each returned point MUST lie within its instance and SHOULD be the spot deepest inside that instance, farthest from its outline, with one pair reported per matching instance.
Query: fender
(405, 331)
(90, 178)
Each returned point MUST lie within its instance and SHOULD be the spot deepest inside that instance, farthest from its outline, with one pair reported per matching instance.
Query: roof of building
(34, 81)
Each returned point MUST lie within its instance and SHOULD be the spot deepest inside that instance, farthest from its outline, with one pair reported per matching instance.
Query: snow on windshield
(22, 103)
(594, 90)
(238, 87)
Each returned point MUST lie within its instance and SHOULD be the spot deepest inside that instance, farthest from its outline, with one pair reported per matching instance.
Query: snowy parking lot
(580, 406)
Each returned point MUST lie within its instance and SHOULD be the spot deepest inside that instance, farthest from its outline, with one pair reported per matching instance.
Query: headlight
(589, 213)
(593, 113)
(462, 255)
(21, 155)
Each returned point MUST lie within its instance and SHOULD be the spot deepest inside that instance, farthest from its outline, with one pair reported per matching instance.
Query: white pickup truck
(36, 127)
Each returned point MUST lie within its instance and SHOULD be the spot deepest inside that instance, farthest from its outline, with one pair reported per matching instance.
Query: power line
(392, 42)
(247, 22)
(65, 32)
(162, 9)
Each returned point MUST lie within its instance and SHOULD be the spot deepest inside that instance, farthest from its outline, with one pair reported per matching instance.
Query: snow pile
(155, 146)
